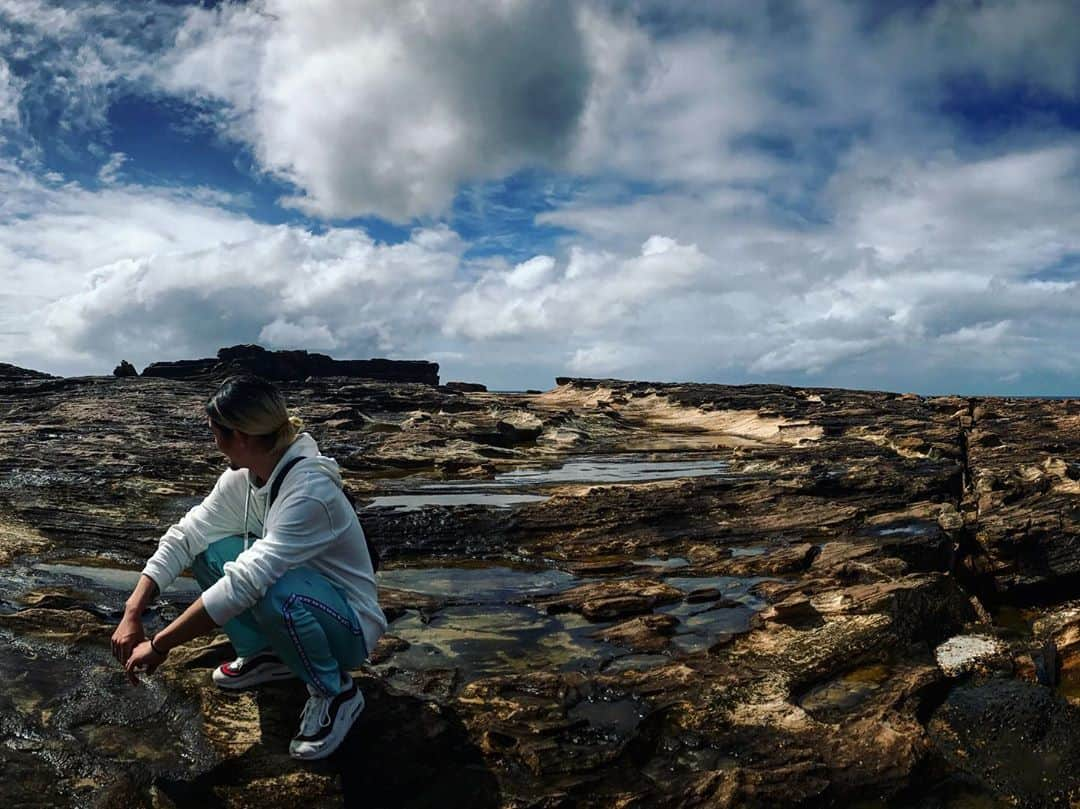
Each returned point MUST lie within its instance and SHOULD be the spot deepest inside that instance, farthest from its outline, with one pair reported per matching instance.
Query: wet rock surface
(606, 594)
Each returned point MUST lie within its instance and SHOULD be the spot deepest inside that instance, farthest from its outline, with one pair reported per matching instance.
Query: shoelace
(315, 708)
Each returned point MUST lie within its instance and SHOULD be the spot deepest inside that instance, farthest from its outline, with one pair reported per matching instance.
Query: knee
(275, 601)
(215, 556)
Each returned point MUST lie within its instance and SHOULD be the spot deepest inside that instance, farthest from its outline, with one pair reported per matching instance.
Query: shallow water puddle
(592, 469)
(72, 710)
(672, 563)
(906, 529)
(751, 550)
(481, 640)
(412, 502)
(613, 469)
(477, 585)
(721, 607)
(1014, 621)
(487, 627)
(635, 662)
(613, 719)
(846, 691)
(734, 588)
(109, 578)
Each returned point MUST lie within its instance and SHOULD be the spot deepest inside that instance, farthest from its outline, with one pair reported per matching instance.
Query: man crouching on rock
(283, 564)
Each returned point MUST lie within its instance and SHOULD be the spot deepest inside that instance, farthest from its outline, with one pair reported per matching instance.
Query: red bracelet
(157, 651)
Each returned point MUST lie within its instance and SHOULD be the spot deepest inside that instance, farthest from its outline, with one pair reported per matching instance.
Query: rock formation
(15, 372)
(125, 368)
(466, 387)
(293, 365)
(607, 594)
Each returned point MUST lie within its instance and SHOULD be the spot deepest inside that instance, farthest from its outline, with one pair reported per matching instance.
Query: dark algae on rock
(608, 594)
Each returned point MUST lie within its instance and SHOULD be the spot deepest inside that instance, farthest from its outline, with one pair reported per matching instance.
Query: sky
(877, 195)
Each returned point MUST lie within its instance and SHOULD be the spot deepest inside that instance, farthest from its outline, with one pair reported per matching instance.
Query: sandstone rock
(466, 387)
(646, 633)
(795, 610)
(612, 599)
(519, 427)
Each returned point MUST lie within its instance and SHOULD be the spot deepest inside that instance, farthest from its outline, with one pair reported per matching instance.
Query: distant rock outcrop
(294, 365)
(466, 387)
(125, 368)
(15, 372)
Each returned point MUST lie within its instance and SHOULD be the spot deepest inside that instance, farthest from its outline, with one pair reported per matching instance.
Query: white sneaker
(325, 722)
(244, 672)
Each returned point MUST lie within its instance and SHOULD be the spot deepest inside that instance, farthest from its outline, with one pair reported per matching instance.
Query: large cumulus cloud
(853, 193)
(386, 107)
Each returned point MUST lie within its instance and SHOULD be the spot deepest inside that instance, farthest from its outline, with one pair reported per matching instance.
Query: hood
(304, 446)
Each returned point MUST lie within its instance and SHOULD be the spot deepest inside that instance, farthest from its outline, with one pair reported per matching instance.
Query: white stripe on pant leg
(286, 611)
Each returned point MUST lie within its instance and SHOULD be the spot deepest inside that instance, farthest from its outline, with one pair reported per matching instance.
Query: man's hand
(143, 658)
(126, 637)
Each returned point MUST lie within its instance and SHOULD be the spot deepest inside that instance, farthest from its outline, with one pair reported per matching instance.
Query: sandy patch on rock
(17, 539)
(660, 413)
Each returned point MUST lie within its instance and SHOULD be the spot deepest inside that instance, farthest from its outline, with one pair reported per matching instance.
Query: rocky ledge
(289, 365)
(609, 594)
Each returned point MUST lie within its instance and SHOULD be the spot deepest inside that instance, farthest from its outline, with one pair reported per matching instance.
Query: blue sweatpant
(303, 618)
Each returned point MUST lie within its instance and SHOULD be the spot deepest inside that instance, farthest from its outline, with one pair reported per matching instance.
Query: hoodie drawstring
(247, 501)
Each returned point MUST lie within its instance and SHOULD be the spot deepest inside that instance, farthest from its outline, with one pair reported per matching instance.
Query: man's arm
(194, 622)
(145, 592)
(129, 633)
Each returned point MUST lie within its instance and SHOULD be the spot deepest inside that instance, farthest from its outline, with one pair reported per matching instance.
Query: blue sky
(857, 194)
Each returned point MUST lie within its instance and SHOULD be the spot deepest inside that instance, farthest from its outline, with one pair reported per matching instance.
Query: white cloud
(9, 96)
(109, 172)
(386, 107)
(606, 359)
(285, 285)
(309, 333)
(593, 292)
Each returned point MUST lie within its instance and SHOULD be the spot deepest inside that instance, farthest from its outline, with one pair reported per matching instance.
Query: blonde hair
(253, 405)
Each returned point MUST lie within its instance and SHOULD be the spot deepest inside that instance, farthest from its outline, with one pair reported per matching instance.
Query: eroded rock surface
(606, 594)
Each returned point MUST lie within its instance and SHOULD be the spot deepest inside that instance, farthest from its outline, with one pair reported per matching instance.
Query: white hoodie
(311, 523)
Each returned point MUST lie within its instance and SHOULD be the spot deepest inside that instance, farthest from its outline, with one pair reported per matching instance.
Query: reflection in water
(482, 640)
(735, 588)
(672, 563)
(477, 584)
(493, 493)
(612, 469)
(109, 577)
(846, 691)
(412, 502)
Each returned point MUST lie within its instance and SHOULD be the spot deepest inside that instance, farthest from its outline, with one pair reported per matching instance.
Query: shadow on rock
(407, 752)
(1020, 740)
(401, 752)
